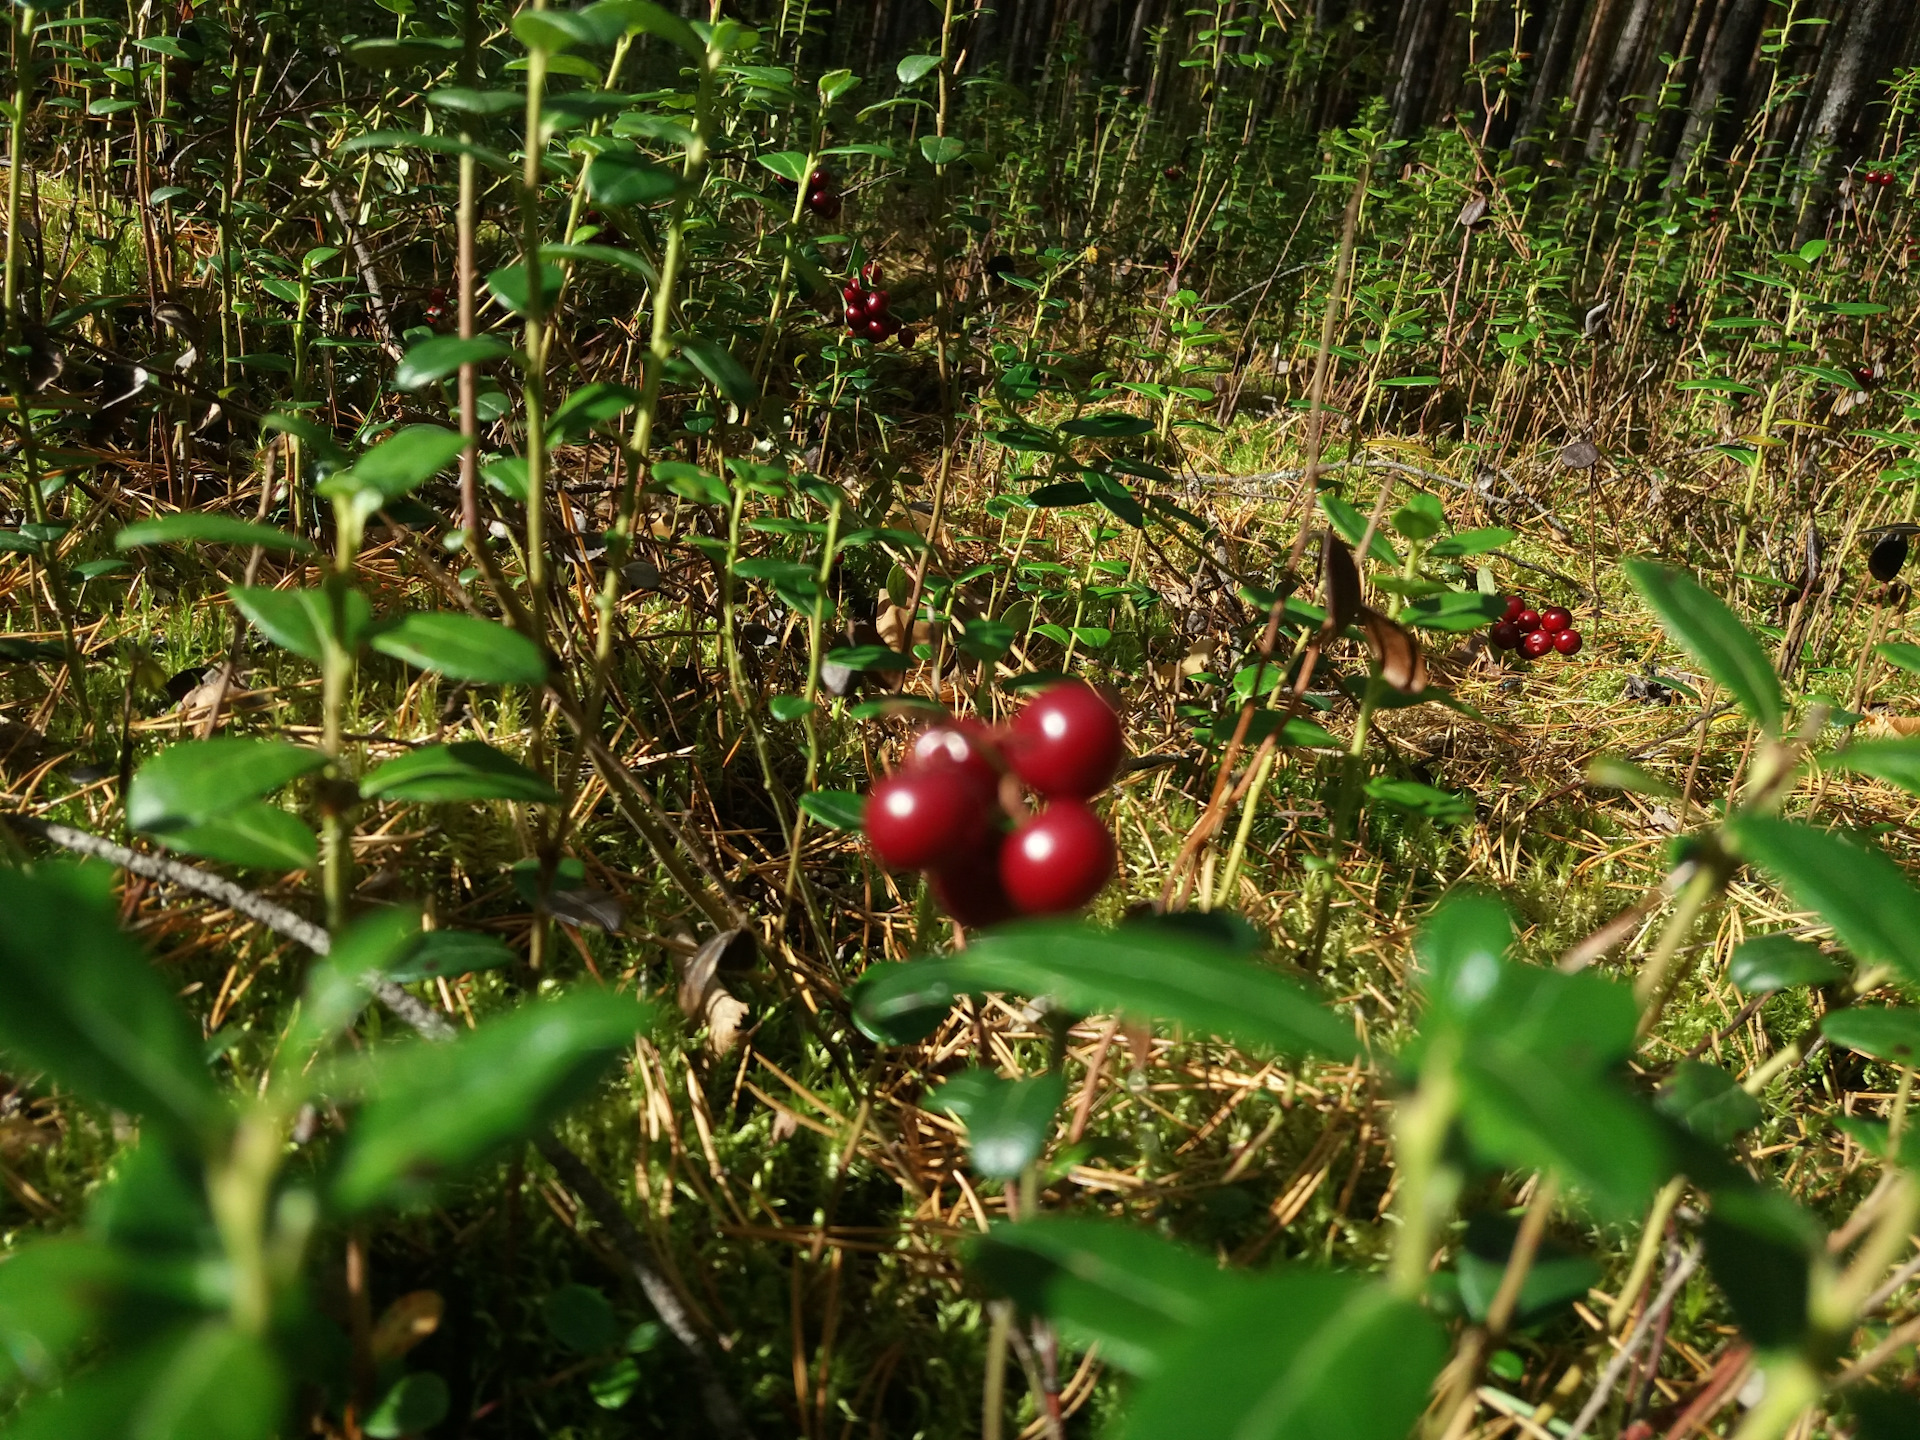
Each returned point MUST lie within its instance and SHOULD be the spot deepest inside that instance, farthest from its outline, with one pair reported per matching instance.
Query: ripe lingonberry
(1067, 743)
(1058, 860)
(963, 746)
(877, 302)
(1567, 642)
(1515, 607)
(1535, 643)
(823, 203)
(1555, 618)
(969, 887)
(907, 337)
(1504, 635)
(1528, 621)
(922, 818)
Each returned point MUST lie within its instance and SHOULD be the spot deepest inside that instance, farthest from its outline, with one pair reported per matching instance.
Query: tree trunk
(1722, 72)
(1604, 118)
(1136, 44)
(1561, 28)
(1871, 41)
(1414, 73)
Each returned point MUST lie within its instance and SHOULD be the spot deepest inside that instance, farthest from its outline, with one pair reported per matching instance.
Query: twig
(1617, 1366)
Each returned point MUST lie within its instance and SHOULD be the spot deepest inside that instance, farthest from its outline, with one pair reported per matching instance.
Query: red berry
(1067, 743)
(1536, 643)
(1057, 861)
(852, 293)
(876, 302)
(922, 818)
(821, 179)
(964, 746)
(1504, 635)
(1567, 642)
(907, 337)
(875, 327)
(969, 888)
(823, 203)
(870, 274)
(1515, 607)
(1528, 621)
(1555, 618)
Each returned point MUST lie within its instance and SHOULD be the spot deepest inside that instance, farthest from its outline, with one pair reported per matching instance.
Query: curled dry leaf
(1897, 726)
(1339, 583)
(1579, 455)
(405, 1323)
(1474, 212)
(1402, 665)
(703, 999)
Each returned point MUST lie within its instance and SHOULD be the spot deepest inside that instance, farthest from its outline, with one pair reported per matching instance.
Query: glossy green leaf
(209, 529)
(194, 780)
(716, 362)
(435, 1109)
(413, 1405)
(941, 150)
(463, 770)
(1421, 518)
(1760, 1250)
(297, 620)
(1867, 899)
(255, 834)
(645, 16)
(1778, 962)
(1556, 1278)
(1301, 1355)
(1708, 1101)
(79, 1001)
(868, 657)
(914, 68)
(789, 165)
(1455, 612)
(1008, 1121)
(836, 809)
(1713, 634)
(1895, 761)
(1892, 1035)
(1900, 653)
(1107, 425)
(509, 286)
(402, 462)
(1419, 799)
(1470, 542)
(1462, 951)
(340, 984)
(588, 408)
(446, 954)
(319, 444)
(621, 178)
(1147, 972)
(441, 356)
(1350, 525)
(582, 1319)
(1118, 1286)
(463, 647)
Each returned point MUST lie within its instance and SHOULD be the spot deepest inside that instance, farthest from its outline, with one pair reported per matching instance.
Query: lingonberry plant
(843, 721)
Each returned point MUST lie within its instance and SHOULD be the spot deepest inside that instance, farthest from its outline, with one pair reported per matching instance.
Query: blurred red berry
(969, 887)
(1057, 861)
(922, 818)
(1504, 635)
(1067, 743)
(964, 746)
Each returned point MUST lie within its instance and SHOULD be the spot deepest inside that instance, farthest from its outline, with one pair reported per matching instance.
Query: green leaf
(79, 1001)
(438, 143)
(1895, 761)
(211, 529)
(1147, 972)
(1350, 525)
(441, 356)
(690, 482)
(436, 1109)
(1760, 1249)
(320, 444)
(1859, 891)
(789, 165)
(1613, 773)
(413, 1405)
(1556, 1278)
(463, 770)
(1421, 518)
(914, 68)
(51, 1295)
(509, 286)
(1890, 1035)
(1008, 1121)
(1471, 542)
(1455, 611)
(716, 362)
(1299, 1355)
(582, 1319)
(195, 780)
(588, 408)
(1713, 634)
(254, 834)
(1109, 425)
(941, 150)
(402, 462)
(1418, 799)
(444, 954)
(1898, 652)
(463, 647)
(836, 809)
(1462, 951)
(297, 620)
(868, 657)
(645, 16)
(1778, 962)
(387, 53)
(623, 178)
(1708, 1101)
(1118, 1286)
(789, 707)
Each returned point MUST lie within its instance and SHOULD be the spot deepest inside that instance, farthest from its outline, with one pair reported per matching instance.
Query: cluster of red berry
(869, 309)
(1534, 632)
(943, 812)
(1878, 177)
(823, 194)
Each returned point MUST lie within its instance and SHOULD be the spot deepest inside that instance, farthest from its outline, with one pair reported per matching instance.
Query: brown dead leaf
(1899, 726)
(1339, 583)
(1402, 666)
(405, 1323)
(892, 624)
(703, 999)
